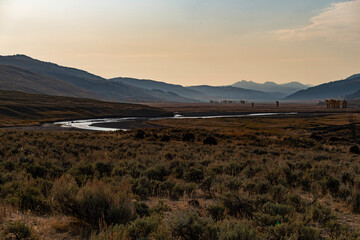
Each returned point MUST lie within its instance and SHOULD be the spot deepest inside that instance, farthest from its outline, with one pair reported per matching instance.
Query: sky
(189, 42)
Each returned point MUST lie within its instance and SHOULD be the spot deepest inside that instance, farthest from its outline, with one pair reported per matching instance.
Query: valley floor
(294, 177)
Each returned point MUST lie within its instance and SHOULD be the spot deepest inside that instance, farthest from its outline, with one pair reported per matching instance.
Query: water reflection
(88, 124)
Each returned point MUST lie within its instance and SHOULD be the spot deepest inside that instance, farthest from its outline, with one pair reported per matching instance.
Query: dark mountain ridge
(103, 88)
(152, 85)
(17, 79)
(335, 89)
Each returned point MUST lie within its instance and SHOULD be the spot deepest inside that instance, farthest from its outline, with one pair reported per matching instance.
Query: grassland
(237, 178)
(21, 109)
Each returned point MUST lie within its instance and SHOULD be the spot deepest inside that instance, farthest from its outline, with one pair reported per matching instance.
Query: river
(89, 124)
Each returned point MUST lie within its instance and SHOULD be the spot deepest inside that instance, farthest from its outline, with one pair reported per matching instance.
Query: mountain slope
(235, 93)
(104, 88)
(17, 79)
(287, 88)
(178, 89)
(336, 89)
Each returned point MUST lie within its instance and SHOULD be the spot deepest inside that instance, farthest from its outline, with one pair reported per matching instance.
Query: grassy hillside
(178, 89)
(17, 79)
(336, 89)
(104, 88)
(17, 108)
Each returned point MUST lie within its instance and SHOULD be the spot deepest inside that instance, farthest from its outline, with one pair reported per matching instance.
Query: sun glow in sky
(189, 42)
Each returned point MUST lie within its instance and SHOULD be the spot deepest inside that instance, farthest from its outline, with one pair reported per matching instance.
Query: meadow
(294, 177)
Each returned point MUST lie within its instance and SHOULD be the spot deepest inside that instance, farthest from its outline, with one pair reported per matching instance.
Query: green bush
(283, 231)
(295, 201)
(216, 211)
(140, 134)
(113, 232)
(160, 208)
(158, 172)
(265, 219)
(356, 202)
(333, 185)
(321, 214)
(142, 187)
(18, 231)
(189, 225)
(236, 231)
(94, 202)
(177, 192)
(63, 194)
(141, 209)
(308, 233)
(37, 171)
(274, 209)
(194, 175)
(142, 228)
(31, 198)
(238, 206)
(104, 169)
(188, 137)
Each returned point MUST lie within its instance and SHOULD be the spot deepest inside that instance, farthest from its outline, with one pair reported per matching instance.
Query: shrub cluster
(172, 184)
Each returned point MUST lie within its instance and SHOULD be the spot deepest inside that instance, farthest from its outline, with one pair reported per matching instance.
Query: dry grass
(265, 161)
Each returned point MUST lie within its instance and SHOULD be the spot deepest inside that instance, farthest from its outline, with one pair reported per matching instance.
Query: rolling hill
(286, 89)
(17, 79)
(103, 88)
(18, 108)
(178, 89)
(235, 93)
(335, 89)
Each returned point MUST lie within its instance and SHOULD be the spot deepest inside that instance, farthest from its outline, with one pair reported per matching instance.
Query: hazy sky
(189, 42)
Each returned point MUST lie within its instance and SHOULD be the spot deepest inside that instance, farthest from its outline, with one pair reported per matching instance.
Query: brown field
(279, 177)
(24, 109)
(208, 109)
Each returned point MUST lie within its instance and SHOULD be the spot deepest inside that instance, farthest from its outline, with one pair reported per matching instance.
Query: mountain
(335, 89)
(17, 79)
(103, 88)
(235, 93)
(166, 96)
(19, 108)
(178, 89)
(286, 89)
(355, 95)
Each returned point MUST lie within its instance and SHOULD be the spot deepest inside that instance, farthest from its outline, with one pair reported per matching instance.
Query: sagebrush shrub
(18, 231)
(94, 202)
(190, 225)
(356, 202)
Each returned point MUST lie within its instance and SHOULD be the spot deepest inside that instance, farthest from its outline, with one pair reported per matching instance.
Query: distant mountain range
(22, 73)
(338, 89)
(284, 89)
(236, 93)
(166, 87)
(204, 92)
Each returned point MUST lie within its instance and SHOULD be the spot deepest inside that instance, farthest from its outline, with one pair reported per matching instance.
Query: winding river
(89, 124)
